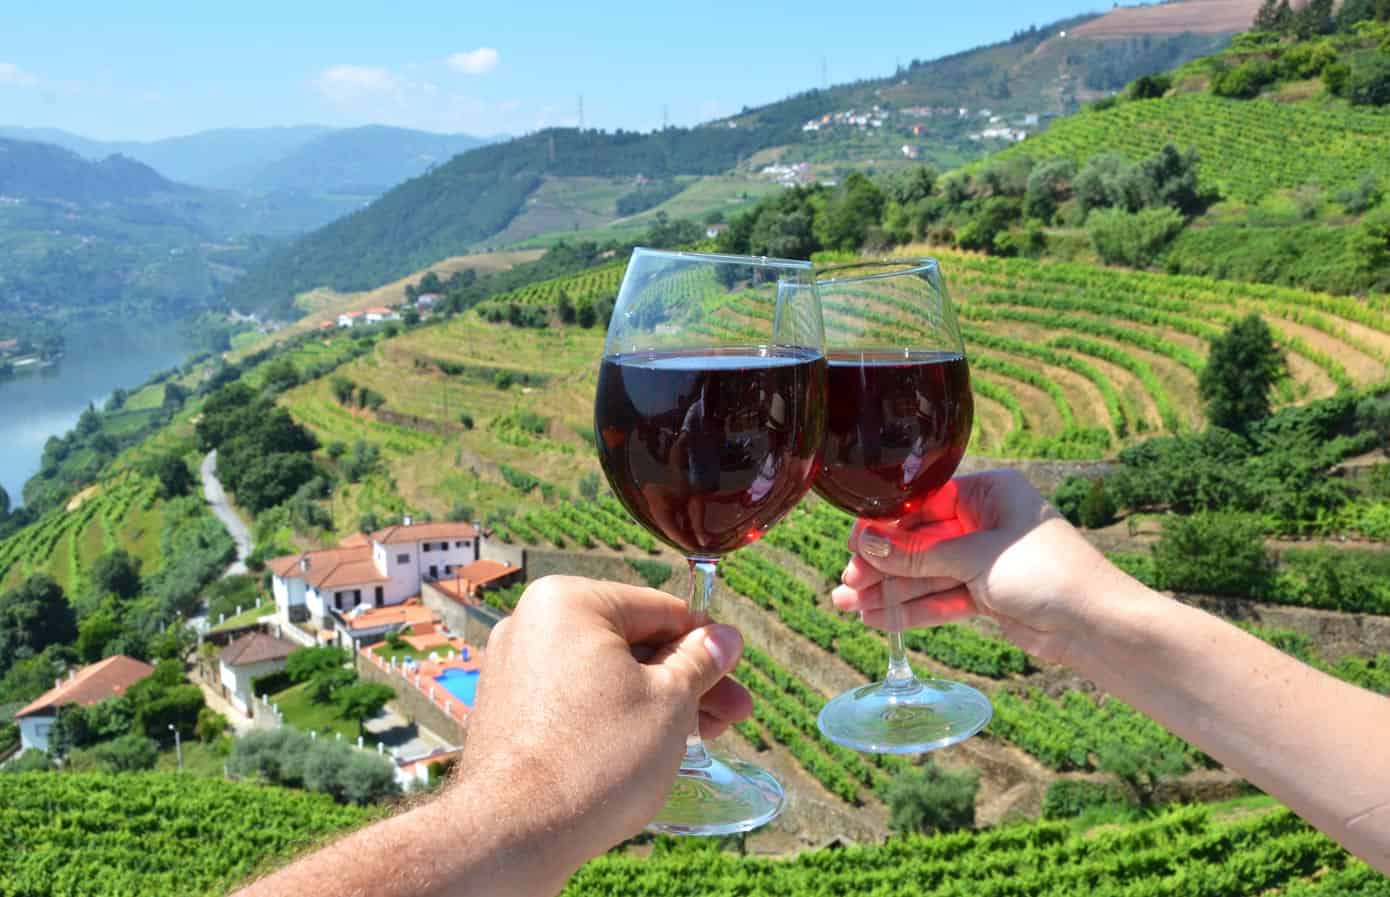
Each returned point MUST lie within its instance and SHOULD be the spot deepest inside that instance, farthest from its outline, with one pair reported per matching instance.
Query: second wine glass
(900, 413)
(709, 421)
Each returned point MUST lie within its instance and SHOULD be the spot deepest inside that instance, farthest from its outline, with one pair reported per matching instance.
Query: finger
(639, 615)
(694, 663)
(932, 610)
(860, 574)
(728, 701)
(893, 590)
(934, 550)
(712, 726)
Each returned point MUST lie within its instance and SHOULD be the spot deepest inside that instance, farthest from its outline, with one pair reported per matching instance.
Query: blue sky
(142, 71)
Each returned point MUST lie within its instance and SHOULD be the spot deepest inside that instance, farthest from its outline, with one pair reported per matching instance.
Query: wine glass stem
(900, 677)
(701, 591)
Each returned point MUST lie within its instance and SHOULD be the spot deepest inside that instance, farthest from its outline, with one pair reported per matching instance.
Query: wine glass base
(875, 719)
(725, 797)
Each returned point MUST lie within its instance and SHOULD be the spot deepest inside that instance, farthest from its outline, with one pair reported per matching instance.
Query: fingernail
(874, 544)
(723, 644)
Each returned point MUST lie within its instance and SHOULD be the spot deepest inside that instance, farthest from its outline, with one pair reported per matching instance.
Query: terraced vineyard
(123, 512)
(1245, 145)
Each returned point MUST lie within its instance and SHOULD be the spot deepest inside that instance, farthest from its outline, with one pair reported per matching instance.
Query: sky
(142, 71)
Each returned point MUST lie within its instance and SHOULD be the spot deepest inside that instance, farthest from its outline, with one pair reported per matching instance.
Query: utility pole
(581, 112)
(178, 745)
(824, 81)
(663, 117)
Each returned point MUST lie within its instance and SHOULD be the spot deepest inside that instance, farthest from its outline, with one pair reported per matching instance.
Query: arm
(989, 544)
(580, 725)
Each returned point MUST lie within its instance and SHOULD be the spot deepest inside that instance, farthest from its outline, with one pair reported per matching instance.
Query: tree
(115, 573)
(343, 389)
(280, 375)
(1132, 238)
(1142, 769)
(1213, 553)
(173, 474)
(34, 615)
(429, 284)
(1314, 19)
(1274, 15)
(1048, 186)
(4, 503)
(95, 632)
(930, 799)
(1369, 81)
(1242, 368)
(267, 480)
(305, 663)
(1069, 495)
(129, 753)
(361, 701)
(854, 208)
(1097, 508)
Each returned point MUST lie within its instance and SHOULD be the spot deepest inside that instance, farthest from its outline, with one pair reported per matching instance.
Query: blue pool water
(462, 684)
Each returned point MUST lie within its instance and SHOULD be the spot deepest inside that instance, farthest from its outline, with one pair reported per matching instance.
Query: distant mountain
(371, 159)
(77, 234)
(223, 157)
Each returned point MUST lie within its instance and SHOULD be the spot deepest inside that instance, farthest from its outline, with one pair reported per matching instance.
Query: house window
(461, 544)
(337, 600)
(402, 558)
(427, 546)
(356, 597)
(448, 568)
(380, 596)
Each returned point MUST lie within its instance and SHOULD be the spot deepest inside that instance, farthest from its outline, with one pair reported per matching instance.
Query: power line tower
(664, 119)
(581, 112)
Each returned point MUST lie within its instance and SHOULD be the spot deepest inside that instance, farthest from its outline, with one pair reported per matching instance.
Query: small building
(109, 678)
(471, 581)
(349, 318)
(378, 314)
(9, 345)
(715, 230)
(250, 657)
(379, 570)
(426, 300)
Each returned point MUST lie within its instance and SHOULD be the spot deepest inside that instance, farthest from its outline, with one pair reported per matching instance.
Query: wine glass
(709, 419)
(900, 413)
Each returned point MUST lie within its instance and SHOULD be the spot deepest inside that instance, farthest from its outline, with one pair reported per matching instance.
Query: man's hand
(589, 692)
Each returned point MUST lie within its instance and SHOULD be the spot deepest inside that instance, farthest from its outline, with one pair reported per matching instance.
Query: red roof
(424, 532)
(409, 613)
(256, 647)
(378, 310)
(343, 566)
(471, 577)
(93, 684)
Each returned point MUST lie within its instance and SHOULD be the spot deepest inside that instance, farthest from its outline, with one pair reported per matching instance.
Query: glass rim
(906, 266)
(754, 261)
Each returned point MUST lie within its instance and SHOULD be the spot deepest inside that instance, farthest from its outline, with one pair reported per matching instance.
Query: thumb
(932, 551)
(694, 663)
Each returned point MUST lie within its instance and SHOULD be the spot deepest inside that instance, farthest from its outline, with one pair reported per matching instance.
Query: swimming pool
(462, 684)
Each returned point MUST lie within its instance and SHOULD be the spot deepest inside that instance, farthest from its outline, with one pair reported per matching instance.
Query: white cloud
(343, 82)
(12, 75)
(474, 62)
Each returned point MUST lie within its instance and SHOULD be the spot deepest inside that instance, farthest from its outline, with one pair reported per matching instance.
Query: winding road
(222, 509)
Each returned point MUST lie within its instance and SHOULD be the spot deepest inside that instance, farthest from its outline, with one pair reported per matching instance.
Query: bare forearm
(449, 847)
(1312, 741)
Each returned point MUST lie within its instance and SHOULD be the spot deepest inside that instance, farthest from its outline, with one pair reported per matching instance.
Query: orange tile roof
(108, 678)
(424, 532)
(356, 540)
(469, 578)
(256, 647)
(378, 310)
(406, 614)
(348, 565)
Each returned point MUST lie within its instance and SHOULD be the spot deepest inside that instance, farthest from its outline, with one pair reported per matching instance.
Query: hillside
(476, 197)
(363, 161)
(1195, 16)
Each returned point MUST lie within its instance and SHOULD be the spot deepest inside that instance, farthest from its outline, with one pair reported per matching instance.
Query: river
(97, 360)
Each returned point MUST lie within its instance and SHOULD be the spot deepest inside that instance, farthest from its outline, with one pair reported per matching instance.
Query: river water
(35, 406)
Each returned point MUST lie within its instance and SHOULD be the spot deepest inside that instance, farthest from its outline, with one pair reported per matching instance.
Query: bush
(32, 760)
(1245, 80)
(1097, 508)
(1241, 370)
(1368, 83)
(129, 753)
(1213, 553)
(929, 799)
(286, 756)
(1135, 239)
(1070, 493)
(1149, 87)
(653, 573)
(1365, 196)
(210, 726)
(305, 663)
(1069, 798)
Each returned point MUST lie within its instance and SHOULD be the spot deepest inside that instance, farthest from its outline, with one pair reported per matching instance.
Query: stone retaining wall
(414, 705)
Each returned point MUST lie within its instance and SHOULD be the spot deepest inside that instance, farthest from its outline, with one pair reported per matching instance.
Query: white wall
(237, 680)
(287, 592)
(33, 732)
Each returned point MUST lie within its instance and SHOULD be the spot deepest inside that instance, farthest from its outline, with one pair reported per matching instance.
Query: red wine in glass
(897, 428)
(708, 448)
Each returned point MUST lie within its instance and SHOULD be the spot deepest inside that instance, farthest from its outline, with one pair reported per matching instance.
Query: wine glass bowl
(899, 420)
(709, 420)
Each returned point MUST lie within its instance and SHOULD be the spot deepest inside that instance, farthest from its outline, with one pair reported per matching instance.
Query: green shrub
(1135, 239)
(1069, 495)
(1369, 81)
(1097, 508)
(129, 753)
(1069, 798)
(32, 760)
(1245, 80)
(930, 799)
(305, 663)
(1213, 553)
(653, 573)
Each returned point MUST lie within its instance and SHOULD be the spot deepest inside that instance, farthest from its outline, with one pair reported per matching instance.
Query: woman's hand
(984, 544)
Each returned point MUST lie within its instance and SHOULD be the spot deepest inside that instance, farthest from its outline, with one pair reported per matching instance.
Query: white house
(248, 658)
(109, 678)
(379, 570)
(379, 313)
(426, 300)
(349, 318)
